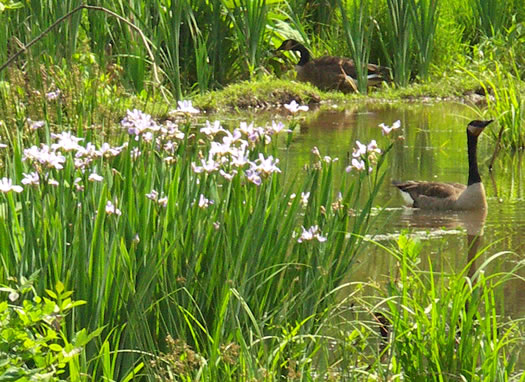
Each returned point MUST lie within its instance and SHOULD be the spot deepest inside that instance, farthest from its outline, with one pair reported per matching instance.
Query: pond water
(433, 148)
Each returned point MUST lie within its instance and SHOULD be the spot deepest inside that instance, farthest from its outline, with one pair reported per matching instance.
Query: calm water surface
(433, 148)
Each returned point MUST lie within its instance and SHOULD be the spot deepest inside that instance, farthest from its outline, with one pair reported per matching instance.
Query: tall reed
(491, 15)
(358, 32)
(249, 19)
(425, 16)
(505, 102)
(398, 40)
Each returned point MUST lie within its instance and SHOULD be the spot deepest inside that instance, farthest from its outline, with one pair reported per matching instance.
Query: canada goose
(451, 196)
(329, 72)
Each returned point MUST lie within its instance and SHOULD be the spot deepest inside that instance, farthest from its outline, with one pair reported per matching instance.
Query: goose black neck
(304, 53)
(473, 172)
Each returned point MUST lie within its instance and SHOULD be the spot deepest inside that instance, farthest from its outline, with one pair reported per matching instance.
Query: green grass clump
(35, 344)
(186, 233)
(258, 94)
(445, 326)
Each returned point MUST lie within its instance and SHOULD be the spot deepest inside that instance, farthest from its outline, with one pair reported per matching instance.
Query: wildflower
(45, 157)
(107, 151)
(385, 130)
(94, 177)
(13, 296)
(207, 166)
(138, 122)
(3, 146)
(239, 157)
(361, 150)
(89, 150)
(66, 141)
(276, 127)
(111, 209)
(147, 136)
(230, 138)
(304, 198)
(268, 165)
(226, 175)
(186, 107)
(135, 153)
(253, 176)
(204, 202)
(219, 148)
(212, 129)
(153, 195)
(338, 204)
(170, 160)
(245, 128)
(293, 107)
(169, 146)
(31, 179)
(171, 130)
(311, 234)
(329, 159)
(53, 182)
(51, 96)
(6, 185)
(359, 165)
(372, 147)
(78, 186)
(35, 125)
(315, 152)
(256, 134)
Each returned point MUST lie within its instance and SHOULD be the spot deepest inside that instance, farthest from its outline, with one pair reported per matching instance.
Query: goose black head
(475, 127)
(290, 44)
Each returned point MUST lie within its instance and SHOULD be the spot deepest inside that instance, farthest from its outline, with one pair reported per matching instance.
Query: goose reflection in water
(439, 222)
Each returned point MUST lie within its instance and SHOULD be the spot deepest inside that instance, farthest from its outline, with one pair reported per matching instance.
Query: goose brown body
(451, 196)
(330, 72)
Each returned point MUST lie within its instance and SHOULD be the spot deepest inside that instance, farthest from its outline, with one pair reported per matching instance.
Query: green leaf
(55, 347)
(51, 293)
(59, 287)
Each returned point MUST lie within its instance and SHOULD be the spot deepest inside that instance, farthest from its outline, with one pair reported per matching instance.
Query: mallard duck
(451, 196)
(329, 72)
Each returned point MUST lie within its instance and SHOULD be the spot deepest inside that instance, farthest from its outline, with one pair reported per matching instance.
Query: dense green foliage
(34, 345)
(176, 49)
(206, 44)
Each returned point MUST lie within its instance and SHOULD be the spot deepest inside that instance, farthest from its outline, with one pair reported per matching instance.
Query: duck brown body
(451, 196)
(330, 72)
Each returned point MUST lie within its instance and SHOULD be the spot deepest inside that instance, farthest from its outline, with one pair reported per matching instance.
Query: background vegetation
(176, 49)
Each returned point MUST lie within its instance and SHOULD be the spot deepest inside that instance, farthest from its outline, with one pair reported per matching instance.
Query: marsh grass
(397, 40)
(203, 45)
(161, 245)
(445, 326)
(504, 102)
(358, 32)
(425, 16)
(491, 15)
(249, 20)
